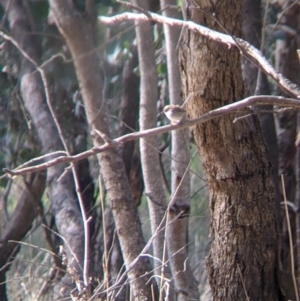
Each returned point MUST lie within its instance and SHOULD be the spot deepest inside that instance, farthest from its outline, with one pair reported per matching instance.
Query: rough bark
(177, 234)
(243, 259)
(63, 201)
(257, 84)
(78, 31)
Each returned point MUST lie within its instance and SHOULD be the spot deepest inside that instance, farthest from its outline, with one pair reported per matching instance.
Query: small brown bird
(175, 113)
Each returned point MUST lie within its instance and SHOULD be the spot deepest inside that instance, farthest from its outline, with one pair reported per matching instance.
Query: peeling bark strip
(79, 35)
(242, 264)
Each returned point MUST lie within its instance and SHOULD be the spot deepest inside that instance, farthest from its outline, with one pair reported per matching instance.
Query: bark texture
(257, 84)
(78, 31)
(243, 257)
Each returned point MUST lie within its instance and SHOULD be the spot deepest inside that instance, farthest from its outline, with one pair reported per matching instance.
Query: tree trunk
(152, 173)
(178, 213)
(61, 193)
(129, 115)
(243, 259)
(257, 82)
(79, 31)
(287, 63)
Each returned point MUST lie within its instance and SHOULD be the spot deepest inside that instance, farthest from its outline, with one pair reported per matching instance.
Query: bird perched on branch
(175, 113)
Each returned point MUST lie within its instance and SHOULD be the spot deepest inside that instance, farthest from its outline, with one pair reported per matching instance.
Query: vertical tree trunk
(129, 115)
(79, 34)
(287, 63)
(243, 259)
(64, 204)
(177, 230)
(257, 84)
(152, 174)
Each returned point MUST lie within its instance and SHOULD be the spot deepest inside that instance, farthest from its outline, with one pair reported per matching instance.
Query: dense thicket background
(77, 231)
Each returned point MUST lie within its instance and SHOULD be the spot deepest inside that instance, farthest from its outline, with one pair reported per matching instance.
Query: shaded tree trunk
(243, 259)
(257, 83)
(287, 63)
(128, 115)
(61, 193)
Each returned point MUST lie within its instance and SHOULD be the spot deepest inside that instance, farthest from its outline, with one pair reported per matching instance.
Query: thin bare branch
(247, 49)
(231, 108)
